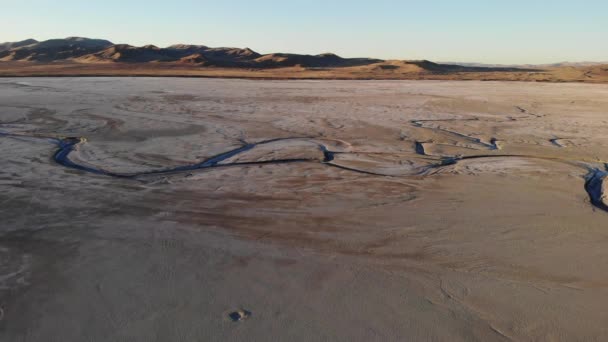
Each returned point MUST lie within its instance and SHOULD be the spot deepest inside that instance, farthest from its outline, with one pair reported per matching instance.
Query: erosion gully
(594, 184)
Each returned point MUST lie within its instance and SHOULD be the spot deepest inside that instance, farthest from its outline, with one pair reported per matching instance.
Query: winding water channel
(594, 185)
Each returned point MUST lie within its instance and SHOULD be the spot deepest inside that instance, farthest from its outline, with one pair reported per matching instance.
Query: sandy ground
(345, 210)
(388, 70)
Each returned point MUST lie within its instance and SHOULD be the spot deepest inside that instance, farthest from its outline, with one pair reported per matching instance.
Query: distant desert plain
(194, 209)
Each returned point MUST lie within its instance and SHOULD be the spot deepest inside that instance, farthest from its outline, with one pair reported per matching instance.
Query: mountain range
(86, 50)
(77, 56)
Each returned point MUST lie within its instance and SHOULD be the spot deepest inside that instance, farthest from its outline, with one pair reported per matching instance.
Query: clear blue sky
(490, 31)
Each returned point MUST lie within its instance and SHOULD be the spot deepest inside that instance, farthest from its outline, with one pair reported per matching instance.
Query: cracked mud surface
(146, 209)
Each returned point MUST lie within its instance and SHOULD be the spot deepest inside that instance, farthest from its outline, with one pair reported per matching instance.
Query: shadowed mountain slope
(85, 50)
(13, 45)
(52, 49)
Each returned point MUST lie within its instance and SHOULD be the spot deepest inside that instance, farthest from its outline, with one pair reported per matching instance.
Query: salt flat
(149, 209)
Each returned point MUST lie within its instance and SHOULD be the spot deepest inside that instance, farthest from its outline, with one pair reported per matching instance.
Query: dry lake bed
(175, 209)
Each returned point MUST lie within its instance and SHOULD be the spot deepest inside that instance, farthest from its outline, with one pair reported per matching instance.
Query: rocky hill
(86, 50)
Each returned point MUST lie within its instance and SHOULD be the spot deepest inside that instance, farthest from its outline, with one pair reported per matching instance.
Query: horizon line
(438, 60)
